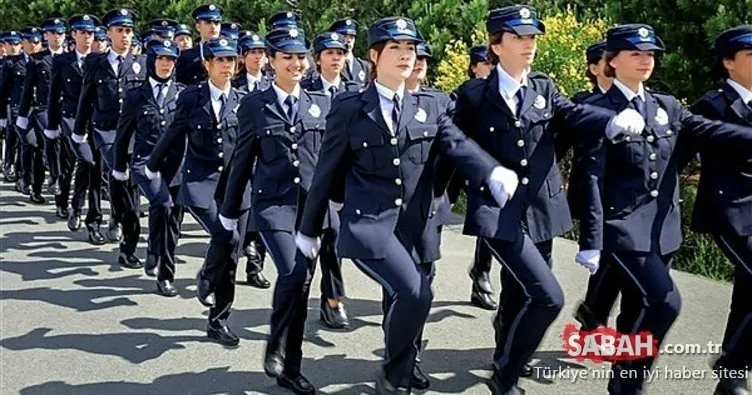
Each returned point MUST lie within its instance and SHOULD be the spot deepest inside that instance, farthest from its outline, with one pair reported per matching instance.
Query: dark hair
(590, 76)
(608, 56)
(493, 39)
(379, 48)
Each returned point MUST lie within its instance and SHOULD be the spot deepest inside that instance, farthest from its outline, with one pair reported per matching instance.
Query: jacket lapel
(304, 104)
(172, 92)
(127, 64)
(651, 110)
(207, 103)
(148, 94)
(409, 109)
(737, 104)
(530, 95)
(232, 102)
(104, 63)
(272, 104)
(618, 100)
(493, 95)
(372, 108)
(74, 65)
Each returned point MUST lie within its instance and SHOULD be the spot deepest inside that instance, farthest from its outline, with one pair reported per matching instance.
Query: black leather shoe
(527, 371)
(384, 387)
(166, 288)
(482, 300)
(151, 265)
(420, 380)
(274, 365)
(21, 186)
(728, 386)
(130, 261)
(204, 292)
(498, 387)
(222, 335)
(62, 212)
(481, 281)
(10, 175)
(258, 280)
(74, 222)
(585, 316)
(53, 188)
(296, 382)
(114, 231)
(95, 236)
(37, 198)
(333, 317)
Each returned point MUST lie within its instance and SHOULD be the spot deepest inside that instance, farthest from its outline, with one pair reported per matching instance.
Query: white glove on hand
(627, 122)
(3, 123)
(120, 176)
(78, 138)
(228, 224)
(503, 183)
(309, 246)
(51, 134)
(22, 122)
(590, 259)
(152, 175)
(337, 206)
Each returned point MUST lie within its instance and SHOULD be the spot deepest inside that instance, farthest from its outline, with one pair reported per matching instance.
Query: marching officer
(356, 69)
(65, 89)
(3, 52)
(723, 207)
(189, 69)
(230, 31)
(206, 115)
(101, 42)
(378, 159)
(32, 112)
(515, 114)
(183, 37)
(329, 51)
(280, 131)
(633, 218)
(12, 64)
(284, 19)
(161, 28)
(148, 111)
(479, 66)
(137, 45)
(252, 79)
(106, 78)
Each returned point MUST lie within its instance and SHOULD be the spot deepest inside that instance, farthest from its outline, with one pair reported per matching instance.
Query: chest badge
(420, 116)
(315, 111)
(362, 75)
(136, 68)
(235, 110)
(661, 117)
(540, 102)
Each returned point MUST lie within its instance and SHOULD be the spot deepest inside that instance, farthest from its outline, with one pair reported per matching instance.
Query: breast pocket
(202, 131)
(313, 133)
(272, 143)
(372, 151)
(421, 139)
(630, 150)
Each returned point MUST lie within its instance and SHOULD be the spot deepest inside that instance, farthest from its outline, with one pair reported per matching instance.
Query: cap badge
(293, 33)
(124, 12)
(86, 17)
(223, 42)
(212, 7)
(166, 43)
(348, 22)
(289, 14)
(525, 13)
(401, 24)
(335, 36)
(643, 32)
(255, 38)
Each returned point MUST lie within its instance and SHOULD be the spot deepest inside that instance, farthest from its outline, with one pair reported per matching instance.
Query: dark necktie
(222, 101)
(292, 112)
(395, 113)
(118, 63)
(332, 90)
(639, 105)
(255, 86)
(520, 95)
(160, 94)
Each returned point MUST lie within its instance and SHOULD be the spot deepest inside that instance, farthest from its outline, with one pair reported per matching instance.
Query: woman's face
(515, 51)
(164, 66)
(254, 59)
(420, 69)
(331, 60)
(633, 66)
(221, 69)
(289, 68)
(740, 68)
(482, 69)
(396, 60)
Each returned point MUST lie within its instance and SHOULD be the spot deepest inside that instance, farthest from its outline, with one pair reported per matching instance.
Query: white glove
(309, 246)
(590, 259)
(78, 138)
(627, 122)
(337, 206)
(51, 134)
(503, 183)
(22, 122)
(152, 175)
(228, 224)
(3, 123)
(120, 176)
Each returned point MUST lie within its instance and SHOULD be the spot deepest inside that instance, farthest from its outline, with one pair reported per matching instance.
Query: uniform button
(398, 202)
(520, 143)
(491, 129)
(294, 146)
(525, 181)
(296, 180)
(365, 145)
(720, 192)
(220, 154)
(653, 156)
(120, 90)
(654, 175)
(357, 211)
(393, 141)
(670, 132)
(220, 168)
(651, 139)
(398, 181)
(523, 163)
(292, 129)
(198, 127)
(268, 132)
(517, 123)
(396, 161)
(145, 112)
(482, 188)
(628, 138)
(161, 110)
(219, 139)
(425, 133)
(654, 193)
(296, 163)
(163, 123)
(120, 100)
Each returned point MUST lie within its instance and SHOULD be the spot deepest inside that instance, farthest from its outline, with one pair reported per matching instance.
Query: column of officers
(287, 145)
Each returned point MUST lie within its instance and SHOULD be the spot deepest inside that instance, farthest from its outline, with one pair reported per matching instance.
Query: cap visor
(648, 47)
(406, 37)
(224, 54)
(526, 30)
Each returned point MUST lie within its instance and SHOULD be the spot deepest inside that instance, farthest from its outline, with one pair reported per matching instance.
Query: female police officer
(514, 115)
(280, 135)
(724, 197)
(377, 157)
(632, 215)
(206, 116)
(148, 111)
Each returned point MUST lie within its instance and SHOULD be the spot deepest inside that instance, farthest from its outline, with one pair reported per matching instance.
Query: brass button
(219, 139)
(398, 202)
(292, 129)
(398, 181)
(161, 110)
(296, 163)
(523, 163)
(220, 168)
(654, 193)
(520, 143)
(163, 123)
(491, 129)
(296, 180)
(393, 141)
(654, 175)
(220, 154)
(365, 145)
(517, 123)
(525, 181)
(651, 139)
(396, 161)
(653, 156)
(294, 146)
